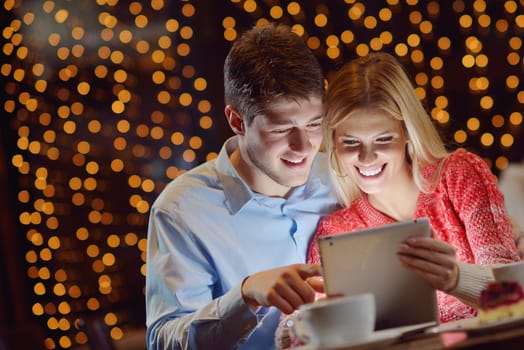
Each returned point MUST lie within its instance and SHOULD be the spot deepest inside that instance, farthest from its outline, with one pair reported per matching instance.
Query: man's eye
(280, 131)
(315, 125)
(350, 142)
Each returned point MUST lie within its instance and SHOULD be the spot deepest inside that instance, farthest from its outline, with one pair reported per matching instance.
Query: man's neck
(246, 170)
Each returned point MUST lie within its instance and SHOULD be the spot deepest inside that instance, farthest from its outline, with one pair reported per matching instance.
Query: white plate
(473, 325)
(377, 340)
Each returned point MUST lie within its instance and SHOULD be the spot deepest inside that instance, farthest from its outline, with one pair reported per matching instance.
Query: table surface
(500, 339)
(507, 335)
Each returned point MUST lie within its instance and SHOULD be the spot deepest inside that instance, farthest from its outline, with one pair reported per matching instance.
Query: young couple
(227, 241)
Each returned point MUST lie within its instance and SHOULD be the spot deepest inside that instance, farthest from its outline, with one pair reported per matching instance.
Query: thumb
(309, 270)
(316, 283)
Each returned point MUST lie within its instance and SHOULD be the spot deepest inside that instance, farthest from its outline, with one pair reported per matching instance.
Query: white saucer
(377, 339)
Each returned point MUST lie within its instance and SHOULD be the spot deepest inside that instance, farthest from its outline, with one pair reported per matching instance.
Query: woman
(389, 164)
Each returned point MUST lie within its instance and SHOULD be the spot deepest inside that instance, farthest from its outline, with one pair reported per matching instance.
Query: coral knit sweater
(466, 210)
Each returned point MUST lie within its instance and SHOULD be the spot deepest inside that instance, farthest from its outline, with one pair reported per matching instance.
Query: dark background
(78, 175)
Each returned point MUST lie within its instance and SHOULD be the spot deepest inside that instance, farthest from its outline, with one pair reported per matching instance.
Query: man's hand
(432, 260)
(285, 288)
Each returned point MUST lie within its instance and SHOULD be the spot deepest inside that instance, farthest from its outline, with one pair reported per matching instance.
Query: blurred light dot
(515, 118)
(486, 102)
(460, 136)
(497, 121)
(276, 12)
(507, 140)
(501, 162)
(487, 139)
(473, 124)
(108, 259)
(93, 304)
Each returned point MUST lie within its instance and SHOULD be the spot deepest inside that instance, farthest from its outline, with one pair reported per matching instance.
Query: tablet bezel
(350, 259)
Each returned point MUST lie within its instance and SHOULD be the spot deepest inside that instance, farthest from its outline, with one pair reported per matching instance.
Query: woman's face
(371, 148)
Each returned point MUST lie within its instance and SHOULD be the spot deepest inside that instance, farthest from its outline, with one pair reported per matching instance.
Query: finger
(292, 297)
(299, 283)
(275, 288)
(308, 270)
(436, 257)
(425, 259)
(303, 289)
(431, 244)
(316, 283)
(436, 276)
(434, 280)
(293, 288)
(275, 299)
(443, 272)
(446, 282)
(422, 264)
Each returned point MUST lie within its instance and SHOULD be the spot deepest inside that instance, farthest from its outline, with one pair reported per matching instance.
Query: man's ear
(235, 120)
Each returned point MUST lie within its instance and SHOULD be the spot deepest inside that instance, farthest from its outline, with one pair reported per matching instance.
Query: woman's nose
(366, 154)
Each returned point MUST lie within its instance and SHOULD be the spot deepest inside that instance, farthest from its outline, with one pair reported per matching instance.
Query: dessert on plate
(501, 300)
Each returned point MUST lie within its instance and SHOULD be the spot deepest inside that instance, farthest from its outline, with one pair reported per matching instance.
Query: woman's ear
(235, 120)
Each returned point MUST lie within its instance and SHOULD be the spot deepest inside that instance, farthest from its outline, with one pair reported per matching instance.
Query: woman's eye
(385, 139)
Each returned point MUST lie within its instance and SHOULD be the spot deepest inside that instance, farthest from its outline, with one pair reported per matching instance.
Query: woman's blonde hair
(378, 81)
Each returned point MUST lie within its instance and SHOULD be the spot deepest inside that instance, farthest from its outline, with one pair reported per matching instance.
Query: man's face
(278, 147)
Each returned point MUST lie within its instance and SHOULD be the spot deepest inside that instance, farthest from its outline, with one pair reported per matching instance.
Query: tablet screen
(366, 261)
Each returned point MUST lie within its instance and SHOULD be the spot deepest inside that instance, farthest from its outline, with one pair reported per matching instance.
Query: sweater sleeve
(472, 280)
(342, 220)
(478, 202)
(313, 254)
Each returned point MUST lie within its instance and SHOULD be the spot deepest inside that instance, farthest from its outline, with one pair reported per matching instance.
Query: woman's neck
(399, 201)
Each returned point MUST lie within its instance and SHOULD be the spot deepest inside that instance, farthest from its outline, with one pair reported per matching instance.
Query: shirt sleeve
(180, 308)
(478, 202)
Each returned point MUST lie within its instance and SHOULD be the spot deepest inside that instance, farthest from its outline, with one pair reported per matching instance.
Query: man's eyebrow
(320, 116)
(291, 122)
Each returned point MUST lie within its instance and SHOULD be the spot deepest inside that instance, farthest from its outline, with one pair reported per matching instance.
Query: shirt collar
(238, 193)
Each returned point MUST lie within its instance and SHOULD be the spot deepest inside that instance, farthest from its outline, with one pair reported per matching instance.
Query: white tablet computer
(366, 261)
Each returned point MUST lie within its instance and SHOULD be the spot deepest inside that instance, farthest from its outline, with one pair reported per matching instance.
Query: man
(227, 240)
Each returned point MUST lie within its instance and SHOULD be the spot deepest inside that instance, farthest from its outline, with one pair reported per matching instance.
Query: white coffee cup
(512, 272)
(336, 321)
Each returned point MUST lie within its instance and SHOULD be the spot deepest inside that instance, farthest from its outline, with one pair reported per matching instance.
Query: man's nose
(300, 140)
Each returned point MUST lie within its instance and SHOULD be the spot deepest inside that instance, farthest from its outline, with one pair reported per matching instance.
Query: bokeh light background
(104, 102)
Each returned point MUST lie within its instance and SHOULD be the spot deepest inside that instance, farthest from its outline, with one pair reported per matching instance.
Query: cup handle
(298, 330)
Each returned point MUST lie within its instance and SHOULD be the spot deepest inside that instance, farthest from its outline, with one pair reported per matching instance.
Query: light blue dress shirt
(207, 232)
